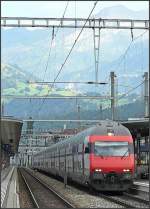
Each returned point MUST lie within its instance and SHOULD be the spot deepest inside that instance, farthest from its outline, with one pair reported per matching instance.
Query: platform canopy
(10, 134)
(137, 127)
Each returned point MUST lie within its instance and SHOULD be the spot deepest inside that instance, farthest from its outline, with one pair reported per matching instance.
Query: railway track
(126, 200)
(140, 189)
(137, 198)
(42, 195)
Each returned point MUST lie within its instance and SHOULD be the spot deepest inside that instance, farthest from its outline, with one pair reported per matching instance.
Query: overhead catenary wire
(62, 17)
(52, 39)
(126, 50)
(128, 47)
(125, 94)
(123, 58)
(61, 68)
(51, 43)
(74, 43)
(47, 82)
(142, 66)
(49, 53)
(122, 96)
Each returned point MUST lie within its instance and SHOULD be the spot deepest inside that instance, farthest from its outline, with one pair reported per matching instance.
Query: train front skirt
(111, 181)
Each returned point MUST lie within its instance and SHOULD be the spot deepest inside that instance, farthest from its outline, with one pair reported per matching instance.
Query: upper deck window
(110, 148)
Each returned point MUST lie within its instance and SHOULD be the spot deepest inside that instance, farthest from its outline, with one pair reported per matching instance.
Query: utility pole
(78, 109)
(96, 34)
(113, 100)
(146, 97)
(101, 111)
(2, 108)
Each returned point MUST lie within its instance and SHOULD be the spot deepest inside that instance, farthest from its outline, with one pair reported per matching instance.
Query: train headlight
(110, 134)
(127, 175)
(98, 170)
(126, 170)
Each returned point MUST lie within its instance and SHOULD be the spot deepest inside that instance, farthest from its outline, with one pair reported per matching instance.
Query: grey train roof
(100, 129)
(104, 126)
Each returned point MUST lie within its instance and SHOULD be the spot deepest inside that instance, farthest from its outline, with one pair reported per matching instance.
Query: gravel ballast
(24, 196)
(77, 197)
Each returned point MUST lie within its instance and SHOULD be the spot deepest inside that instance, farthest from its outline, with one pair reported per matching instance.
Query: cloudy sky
(56, 8)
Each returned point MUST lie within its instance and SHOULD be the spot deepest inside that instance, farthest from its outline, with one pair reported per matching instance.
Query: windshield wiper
(99, 155)
(124, 154)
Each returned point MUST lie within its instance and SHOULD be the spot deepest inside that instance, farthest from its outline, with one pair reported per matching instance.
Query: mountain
(15, 82)
(120, 11)
(29, 49)
(25, 57)
(68, 110)
(33, 59)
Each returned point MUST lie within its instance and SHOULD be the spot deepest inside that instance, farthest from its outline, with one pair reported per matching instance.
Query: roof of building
(137, 126)
(10, 134)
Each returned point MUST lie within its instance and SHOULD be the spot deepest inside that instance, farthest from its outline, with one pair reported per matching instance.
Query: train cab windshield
(110, 148)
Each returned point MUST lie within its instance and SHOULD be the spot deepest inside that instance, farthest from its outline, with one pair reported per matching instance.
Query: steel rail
(110, 198)
(137, 198)
(121, 201)
(139, 192)
(29, 189)
(118, 199)
(74, 23)
(66, 202)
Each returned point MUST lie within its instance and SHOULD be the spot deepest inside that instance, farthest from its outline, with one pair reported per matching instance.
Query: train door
(73, 157)
(59, 158)
(70, 159)
(76, 159)
(83, 159)
(62, 159)
(80, 155)
(86, 157)
(65, 159)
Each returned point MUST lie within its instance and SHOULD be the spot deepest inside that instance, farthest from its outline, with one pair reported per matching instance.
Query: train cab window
(87, 148)
(109, 148)
(131, 148)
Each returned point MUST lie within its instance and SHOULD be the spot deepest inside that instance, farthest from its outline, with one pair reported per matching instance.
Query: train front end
(111, 162)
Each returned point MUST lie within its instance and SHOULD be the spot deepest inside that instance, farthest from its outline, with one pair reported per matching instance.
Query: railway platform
(142, 182)
(142, 185)
(9, 188)
(141, 188)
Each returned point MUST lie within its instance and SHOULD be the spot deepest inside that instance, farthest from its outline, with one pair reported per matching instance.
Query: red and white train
(101, 157)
